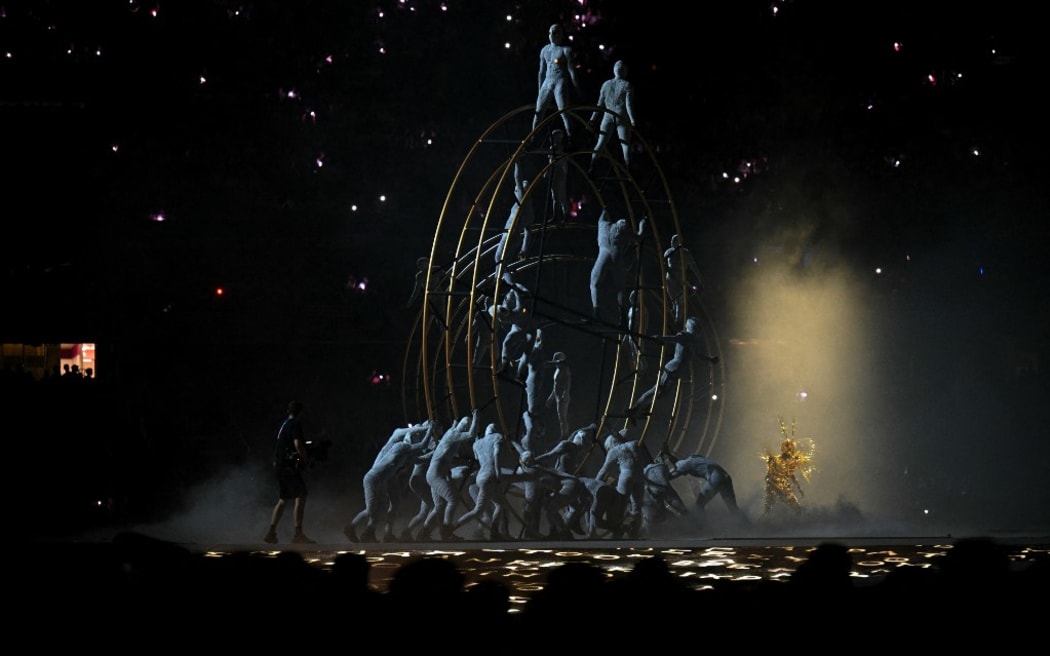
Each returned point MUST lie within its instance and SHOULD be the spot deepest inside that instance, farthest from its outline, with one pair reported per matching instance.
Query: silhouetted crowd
(136, 592)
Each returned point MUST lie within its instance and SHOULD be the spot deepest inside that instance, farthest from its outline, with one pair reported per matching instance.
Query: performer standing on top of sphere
(617, 98)
(557, 72)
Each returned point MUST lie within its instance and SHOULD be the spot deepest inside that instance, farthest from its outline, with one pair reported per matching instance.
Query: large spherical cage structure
(452, 360)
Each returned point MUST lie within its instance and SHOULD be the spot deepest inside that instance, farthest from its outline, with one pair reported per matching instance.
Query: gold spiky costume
(781, 469)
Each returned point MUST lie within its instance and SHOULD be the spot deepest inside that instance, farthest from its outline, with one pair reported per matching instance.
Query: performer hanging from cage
(561, 209)
(616, 253)
(561, 389)
(682, 275)
(782, 470)
(514, 241)
(518, 328)
(631, 341)
(535, 363)
(685, 343)
(423, 269)
(482, 328)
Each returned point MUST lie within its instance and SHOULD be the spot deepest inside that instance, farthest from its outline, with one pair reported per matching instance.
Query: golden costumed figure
(782, 470)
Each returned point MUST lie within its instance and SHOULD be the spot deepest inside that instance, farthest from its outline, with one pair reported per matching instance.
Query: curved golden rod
(468, 277)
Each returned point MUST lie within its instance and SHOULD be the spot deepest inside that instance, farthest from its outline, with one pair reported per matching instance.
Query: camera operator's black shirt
(286, 457)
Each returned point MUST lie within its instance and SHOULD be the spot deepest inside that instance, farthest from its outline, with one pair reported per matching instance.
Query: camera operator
(290, 458)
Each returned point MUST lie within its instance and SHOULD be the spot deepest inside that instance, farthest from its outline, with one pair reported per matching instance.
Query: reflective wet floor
(524, 566)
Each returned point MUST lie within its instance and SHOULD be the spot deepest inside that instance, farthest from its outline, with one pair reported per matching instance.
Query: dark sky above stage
(254, 129)
(888, 156)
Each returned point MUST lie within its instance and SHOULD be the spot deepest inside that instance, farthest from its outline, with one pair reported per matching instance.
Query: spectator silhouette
(350, 591)
(429, 594)
(826, 571)
(577, 590)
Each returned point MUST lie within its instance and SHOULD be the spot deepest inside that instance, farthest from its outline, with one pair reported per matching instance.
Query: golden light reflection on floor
(525, 569)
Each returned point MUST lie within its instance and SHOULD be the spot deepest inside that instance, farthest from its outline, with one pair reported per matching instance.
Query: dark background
(931, 154)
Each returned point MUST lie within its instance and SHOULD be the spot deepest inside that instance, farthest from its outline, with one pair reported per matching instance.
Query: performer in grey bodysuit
(439, 476)
(536, 483)
(403, 445)
(559, 177)
(557, 77)
(628, 460)
(715, 480)
(682, 275)
(417, 483)
(489, 501)
(660, 497)
(482, 327)
(519, 329)
(561, 390)
(685, 343)
(562, 461)
(535, 363)
(608, 509)
(616, 96)
(514, 242)
(609, 271)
